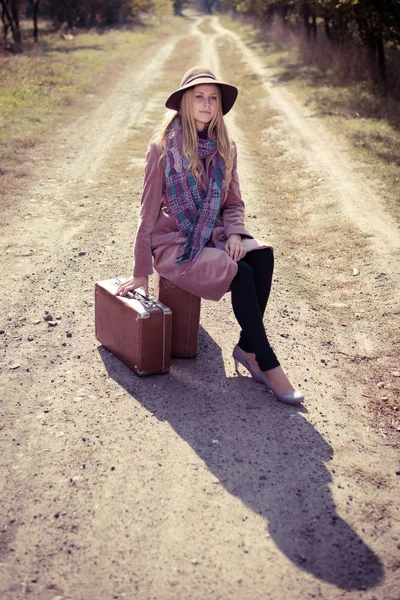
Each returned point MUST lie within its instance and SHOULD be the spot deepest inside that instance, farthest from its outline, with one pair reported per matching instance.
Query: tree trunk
(92, 17)
(381, 58)
(306, 19)
(178, 8)
(35, 18)
(380, 44)
(14, 10)
(208, 4)
(327, 25)
(10, 18)
(68, 15)
(283, 11)
(377, 58)
(314, 27)
(5, 26)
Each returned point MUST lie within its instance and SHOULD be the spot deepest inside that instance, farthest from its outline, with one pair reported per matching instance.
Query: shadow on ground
(263, 452)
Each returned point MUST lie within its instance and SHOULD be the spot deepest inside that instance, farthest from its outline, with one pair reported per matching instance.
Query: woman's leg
(262, 264)
(249, 298)
(246, 306)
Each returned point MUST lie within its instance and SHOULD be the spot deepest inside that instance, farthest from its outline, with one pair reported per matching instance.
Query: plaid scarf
(194, 208)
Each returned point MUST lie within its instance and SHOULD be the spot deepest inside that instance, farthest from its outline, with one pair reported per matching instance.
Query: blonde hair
(217, 131)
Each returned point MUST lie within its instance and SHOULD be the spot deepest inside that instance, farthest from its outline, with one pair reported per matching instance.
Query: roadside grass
(367, 121)
(60, 77)
(327, 265)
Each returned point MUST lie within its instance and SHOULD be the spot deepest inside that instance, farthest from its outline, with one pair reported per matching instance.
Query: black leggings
(250, 292)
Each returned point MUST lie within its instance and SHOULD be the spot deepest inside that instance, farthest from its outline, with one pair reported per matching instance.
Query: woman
(191, 222)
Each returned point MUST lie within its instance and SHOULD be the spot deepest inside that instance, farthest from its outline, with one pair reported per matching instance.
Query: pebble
(81, 253)
(15, 366)
(52, 323)
(36, 322)
(48, 317)
(30, 338)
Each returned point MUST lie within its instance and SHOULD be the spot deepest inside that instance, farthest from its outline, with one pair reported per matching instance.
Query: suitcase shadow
(264, 452)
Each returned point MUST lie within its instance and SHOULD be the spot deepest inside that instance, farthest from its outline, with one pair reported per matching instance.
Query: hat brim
(229, 94)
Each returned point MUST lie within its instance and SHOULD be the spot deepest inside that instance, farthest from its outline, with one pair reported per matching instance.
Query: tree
(10, 19)
(35, 12)
(373, 23)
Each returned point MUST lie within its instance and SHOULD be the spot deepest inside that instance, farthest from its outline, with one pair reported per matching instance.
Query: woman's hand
(132, 284)
(234, 247)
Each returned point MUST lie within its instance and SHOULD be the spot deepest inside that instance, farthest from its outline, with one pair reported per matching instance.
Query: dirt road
(198, 485)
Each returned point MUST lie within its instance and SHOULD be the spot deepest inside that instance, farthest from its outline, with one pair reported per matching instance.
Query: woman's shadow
(265, 453)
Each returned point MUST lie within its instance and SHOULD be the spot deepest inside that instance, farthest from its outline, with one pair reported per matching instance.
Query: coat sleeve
(149, 211)
(233, 208)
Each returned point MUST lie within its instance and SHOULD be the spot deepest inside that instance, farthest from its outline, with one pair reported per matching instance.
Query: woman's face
(205, 103)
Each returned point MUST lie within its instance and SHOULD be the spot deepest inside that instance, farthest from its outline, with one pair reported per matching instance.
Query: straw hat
(197, 76)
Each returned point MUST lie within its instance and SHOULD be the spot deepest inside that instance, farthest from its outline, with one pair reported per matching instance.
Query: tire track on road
(111, 123)
(358, 201)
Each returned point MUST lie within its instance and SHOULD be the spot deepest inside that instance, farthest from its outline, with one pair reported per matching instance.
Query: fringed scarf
(194, 208)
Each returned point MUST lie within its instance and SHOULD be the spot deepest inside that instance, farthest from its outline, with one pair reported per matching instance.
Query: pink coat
(158, 238)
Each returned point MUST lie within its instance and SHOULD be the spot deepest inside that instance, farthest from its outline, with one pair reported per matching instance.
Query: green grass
(57, 77)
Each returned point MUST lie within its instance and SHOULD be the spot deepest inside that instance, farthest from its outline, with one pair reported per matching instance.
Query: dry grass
(336, 86)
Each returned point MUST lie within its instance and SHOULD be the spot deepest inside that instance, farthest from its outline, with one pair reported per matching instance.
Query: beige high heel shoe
(294, 397)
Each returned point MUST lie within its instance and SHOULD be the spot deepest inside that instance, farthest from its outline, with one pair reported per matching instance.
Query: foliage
(372, 23)
(69, 13)
(88, 13)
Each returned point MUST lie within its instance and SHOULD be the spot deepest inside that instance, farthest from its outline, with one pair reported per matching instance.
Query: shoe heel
(240, 360)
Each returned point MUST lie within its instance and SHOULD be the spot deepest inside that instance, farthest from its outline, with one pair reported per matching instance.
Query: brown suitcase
(185, 317)
(136, 328)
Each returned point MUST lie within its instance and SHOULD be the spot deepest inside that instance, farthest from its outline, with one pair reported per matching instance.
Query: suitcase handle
(139, 293)
(145, 301)
(133, 295)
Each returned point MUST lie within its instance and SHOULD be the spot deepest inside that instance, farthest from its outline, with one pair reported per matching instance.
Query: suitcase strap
(148, 301)
(151, 302)
(145, 301)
